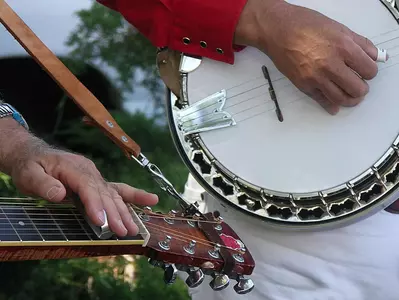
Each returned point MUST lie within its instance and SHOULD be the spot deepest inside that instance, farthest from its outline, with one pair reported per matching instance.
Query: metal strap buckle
(164, 183)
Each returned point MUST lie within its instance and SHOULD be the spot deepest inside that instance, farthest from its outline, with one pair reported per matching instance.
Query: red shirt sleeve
(197, 27)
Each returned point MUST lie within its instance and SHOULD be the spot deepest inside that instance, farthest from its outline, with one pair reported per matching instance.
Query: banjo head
(310, 171)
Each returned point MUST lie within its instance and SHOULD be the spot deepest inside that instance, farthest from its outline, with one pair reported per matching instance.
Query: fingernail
(53, 192)
(122, 227)
(101, 216)
(135, 231)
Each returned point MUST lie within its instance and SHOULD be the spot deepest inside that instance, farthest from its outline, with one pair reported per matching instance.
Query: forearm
(250, 29)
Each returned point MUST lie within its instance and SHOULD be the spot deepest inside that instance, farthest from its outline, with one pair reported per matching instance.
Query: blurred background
(118, 65)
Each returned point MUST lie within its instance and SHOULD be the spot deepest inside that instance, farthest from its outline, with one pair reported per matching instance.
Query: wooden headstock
(199, 244)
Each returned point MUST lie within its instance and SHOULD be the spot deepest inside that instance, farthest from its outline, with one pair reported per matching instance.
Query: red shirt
(197, 27)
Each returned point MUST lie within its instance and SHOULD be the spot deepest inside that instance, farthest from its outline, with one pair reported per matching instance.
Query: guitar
(186, 240)
(261, 146)
(200, 245)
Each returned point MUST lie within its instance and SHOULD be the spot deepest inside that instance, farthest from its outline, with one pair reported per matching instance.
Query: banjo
(187, 240)
(309, 170)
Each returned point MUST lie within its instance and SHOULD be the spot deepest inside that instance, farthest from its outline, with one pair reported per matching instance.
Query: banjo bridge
(392, 7)
(205, 115)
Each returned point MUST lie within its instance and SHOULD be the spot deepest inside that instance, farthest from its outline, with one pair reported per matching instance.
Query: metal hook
(163, 182)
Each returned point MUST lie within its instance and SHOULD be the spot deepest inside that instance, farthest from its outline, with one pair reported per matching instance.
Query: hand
(321, 57)
(39, 170)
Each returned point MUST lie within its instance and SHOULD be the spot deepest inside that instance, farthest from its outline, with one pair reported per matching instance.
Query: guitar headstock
(201, 245)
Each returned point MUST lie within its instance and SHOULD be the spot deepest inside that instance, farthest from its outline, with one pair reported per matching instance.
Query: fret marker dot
(21, 223)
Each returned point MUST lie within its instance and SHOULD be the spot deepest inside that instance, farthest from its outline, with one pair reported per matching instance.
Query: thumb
(37, 182)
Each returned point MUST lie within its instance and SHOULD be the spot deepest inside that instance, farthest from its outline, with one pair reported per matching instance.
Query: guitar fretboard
(32, 222)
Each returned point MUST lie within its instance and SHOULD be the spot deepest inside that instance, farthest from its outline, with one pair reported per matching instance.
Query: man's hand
(321, 57)
(39, 170)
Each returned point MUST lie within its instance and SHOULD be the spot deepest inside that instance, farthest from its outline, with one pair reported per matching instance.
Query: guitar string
(181, 237)
(9, 205)
(55, 205)
(202, 221)
(42, 231)
(160, 215)
(188, 236)
(55, 215)
(34, 227)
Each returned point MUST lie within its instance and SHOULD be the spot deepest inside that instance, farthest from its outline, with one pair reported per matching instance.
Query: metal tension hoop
(97, 114)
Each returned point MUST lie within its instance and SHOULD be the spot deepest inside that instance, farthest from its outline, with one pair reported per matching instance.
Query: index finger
(133, 195)
(367, 46)
(362, 59)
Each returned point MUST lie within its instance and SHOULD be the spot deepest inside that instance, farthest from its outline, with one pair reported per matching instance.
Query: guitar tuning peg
(170, 274)
(190, 248)
(215, 251)
(166, 243)
(144, 214)
(219, 227)
(219, 282)
(195, 277)
(171, 215)
(243, 285)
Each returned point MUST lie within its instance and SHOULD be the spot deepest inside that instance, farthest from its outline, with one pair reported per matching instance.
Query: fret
(68, 224)
(84, 225)
(44, 223)
(7, 232)
(32, 222)
(21, 223)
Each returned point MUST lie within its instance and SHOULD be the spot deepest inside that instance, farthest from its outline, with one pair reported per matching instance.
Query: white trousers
(357, 262)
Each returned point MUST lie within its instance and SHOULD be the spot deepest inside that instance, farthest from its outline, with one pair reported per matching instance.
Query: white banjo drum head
(311, 155)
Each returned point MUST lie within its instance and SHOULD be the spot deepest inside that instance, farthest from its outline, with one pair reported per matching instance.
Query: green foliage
(90, 279)
(104, 37)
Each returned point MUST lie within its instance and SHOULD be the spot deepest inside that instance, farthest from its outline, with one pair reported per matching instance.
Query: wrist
(15, 141)
(255, 25)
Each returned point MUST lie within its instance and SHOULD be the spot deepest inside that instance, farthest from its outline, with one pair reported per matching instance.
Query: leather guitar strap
(92, 107)
(96, 113)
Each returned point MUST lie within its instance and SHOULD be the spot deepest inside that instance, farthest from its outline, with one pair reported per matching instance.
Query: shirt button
(219, 50)
(203, 44)
(186, 41)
